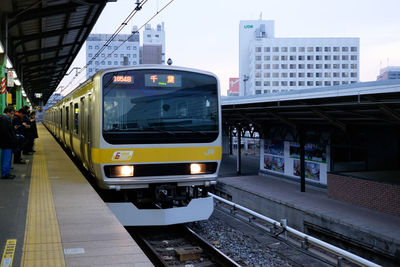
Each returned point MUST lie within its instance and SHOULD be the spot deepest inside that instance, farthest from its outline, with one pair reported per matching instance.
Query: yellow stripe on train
(156, 154)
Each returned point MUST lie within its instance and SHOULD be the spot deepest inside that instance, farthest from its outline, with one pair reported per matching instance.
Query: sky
(204, 34)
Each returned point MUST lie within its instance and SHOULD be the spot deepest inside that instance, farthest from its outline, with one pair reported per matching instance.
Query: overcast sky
(204, 34)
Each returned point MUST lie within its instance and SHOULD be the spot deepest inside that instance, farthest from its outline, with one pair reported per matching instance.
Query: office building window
(275, 66)
(284, 49)
(283, 57)
(301, 66)
(293, 49)
(345, 74)
(301, 75)
(310, 57)
(353, 74)
(301, 83)
(336, 49)
(258, 74)
(292, 83)
(345, 57)
(284, 75)
(258, 49)
(345, 49)
(353, 49)
(318, 83)
(96, 47)
(318, 66)
(353, 66)
(267, 91)
(267, 66)
(258, 83)
(258, 58)
(318, 74)
(327, 74)
(336, 58)
(109, 62)
(345, 66)
(310, 66)
(115, 62)
(327, 83)
(267, 57)
(354, 57)
(310, 83)
(90, 47)
(275, 49)
(292, 57)
(319, 57)
(293, 75)
(292, 66)
(267, 83)
(258, 66)
(275, 75)
(345, 82)
(90, 55)
(327, 49)
(267, 74)
(327, 57)
(318, 49)
(283, 83)
(258, 92)
(336, 66)
(336, 82)
(275, 83)
(310, 74)
(336, 74)
(310, 49)
(302, 49)
(301, 57)
(275, 58)
(128, 48)
(283, 66)
(267, 49)
(327, 66)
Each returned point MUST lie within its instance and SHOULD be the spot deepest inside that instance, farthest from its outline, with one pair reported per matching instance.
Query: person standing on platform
(32, 119)
(26, 150)
(20, 129)
(8, 142)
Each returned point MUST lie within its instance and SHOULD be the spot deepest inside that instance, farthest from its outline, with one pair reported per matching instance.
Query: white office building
(269, 65)
(128, 52)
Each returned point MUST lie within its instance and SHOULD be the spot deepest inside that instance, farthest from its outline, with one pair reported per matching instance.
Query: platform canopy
(44, 37)
(336, 108)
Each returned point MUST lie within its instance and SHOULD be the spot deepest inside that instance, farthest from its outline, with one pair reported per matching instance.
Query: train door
(83, 131)
(70, 127)
(89, 129)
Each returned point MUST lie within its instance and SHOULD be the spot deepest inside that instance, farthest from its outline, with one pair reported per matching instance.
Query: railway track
(178, 245)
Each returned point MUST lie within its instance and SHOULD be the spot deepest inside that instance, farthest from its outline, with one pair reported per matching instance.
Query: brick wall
(373, 195)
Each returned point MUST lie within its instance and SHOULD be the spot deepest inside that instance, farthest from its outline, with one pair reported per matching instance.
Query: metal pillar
(302, 163)
(239, 151)
(230, 140)
(18, 97)
(3, 62)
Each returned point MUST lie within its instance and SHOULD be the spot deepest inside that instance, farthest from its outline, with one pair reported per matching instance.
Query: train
(152, 133)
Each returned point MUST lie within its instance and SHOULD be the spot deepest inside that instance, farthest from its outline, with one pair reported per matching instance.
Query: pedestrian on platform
(8, 142)
(32, 119)
(20, 129)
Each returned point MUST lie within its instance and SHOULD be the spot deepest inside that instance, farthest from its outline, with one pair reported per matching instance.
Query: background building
(127, 53)
(269, 65)
(389, 73)
(125, 49)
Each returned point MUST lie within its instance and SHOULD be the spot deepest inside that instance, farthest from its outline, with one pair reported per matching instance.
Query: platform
(312, 211)
(51, 216)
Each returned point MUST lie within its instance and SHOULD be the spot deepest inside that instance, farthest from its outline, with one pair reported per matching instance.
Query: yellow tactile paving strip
(42, 244)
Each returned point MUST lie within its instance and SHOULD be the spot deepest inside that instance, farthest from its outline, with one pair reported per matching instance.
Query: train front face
(159, 126)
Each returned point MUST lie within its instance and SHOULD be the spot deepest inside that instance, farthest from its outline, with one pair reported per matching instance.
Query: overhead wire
(123, 24)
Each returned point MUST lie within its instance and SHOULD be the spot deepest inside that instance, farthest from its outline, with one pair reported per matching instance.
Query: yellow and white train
(152, 132)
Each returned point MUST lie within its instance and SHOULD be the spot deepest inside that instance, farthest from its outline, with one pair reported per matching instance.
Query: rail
(307, 238)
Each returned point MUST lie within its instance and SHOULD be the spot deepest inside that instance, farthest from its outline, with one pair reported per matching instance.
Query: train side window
(67, 118)
(76, 118)
(61, 117)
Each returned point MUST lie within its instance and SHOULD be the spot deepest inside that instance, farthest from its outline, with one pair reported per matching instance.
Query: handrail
(337, 251)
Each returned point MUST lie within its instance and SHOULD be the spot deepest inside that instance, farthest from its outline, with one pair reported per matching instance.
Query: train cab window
(67, 118)
(159, 106)
(76, 118)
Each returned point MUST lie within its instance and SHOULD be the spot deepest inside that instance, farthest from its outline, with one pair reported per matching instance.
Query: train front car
(160, 143)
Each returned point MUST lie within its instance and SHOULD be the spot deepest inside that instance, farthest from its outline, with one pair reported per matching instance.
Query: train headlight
(123, 171)
(196, 168)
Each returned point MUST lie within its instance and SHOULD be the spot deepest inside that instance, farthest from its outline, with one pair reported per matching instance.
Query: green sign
(248, 26)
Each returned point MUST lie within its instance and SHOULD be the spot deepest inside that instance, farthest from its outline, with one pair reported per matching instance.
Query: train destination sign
(123, 79)
(163, 80)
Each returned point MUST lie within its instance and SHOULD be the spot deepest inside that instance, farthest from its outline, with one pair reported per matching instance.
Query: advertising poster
(312, 152)
(274, 147)
(274, 163)
(312, 169)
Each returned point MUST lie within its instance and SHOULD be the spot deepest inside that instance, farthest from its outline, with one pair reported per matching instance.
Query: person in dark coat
(20, 129)
(8, 142)
(34, 133)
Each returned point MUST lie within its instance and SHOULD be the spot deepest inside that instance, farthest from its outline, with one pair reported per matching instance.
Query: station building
(269, 65)
(389, 73)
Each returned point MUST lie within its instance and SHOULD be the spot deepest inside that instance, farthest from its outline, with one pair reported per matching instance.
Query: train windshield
(159, 106)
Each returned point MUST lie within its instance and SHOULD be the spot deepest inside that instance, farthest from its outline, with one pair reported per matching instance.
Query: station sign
(10, 79)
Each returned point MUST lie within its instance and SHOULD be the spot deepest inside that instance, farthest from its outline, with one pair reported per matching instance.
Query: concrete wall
(373, 195)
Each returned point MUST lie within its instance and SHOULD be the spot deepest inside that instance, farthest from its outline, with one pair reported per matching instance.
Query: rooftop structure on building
(153, 51)
(269, 65)
(389, 73)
